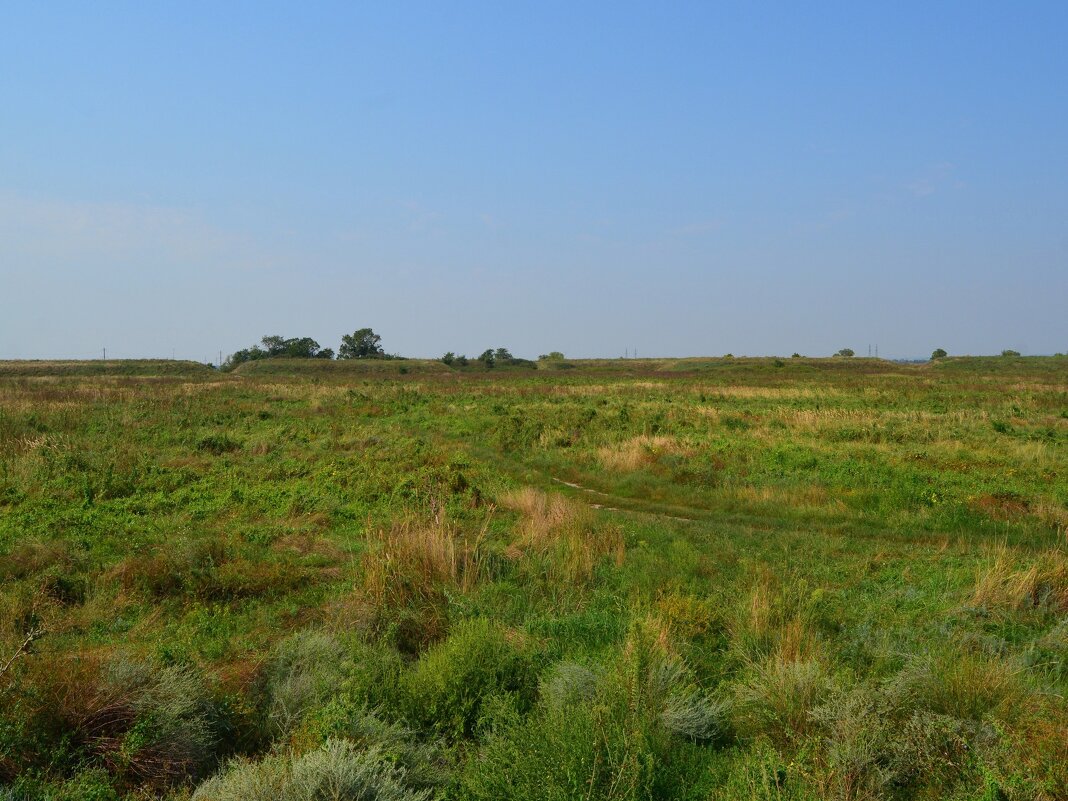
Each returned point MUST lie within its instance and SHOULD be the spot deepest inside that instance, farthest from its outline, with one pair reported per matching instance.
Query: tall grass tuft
(778, 697)
(1041, 584)
(408, 569)
(638, 452)
(565, 534)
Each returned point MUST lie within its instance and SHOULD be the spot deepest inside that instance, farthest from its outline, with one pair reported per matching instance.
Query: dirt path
(607, 508)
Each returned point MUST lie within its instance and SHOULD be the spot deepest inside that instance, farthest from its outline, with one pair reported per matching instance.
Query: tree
(449, 358)
(361, 344)
(551, 356)
(487, 357)
(503, 355)
(845, 353)
(938, 353)
(276, 346)
(1010, 353)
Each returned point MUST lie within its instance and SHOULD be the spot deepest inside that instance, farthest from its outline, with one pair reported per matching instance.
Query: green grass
(793, 578)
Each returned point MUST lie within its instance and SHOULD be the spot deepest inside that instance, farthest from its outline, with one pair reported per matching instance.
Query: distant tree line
(360, 344)
(489, 359)
(364, 343)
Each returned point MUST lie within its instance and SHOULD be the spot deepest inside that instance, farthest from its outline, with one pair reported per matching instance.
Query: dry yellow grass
(807, 496)
(565, 532)
(1053, 515)
(405, 575)
(637, 452)
(1005, 584)
(763, 624)
(793, 392)
(412, 558)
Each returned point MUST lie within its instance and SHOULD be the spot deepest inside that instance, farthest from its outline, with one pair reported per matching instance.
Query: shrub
(618, 732)
(932, 750)
(303, 671)
(855, 740)
(141, 723)
(445, 689)
(423, 762)
(338, 771)
(569, 683)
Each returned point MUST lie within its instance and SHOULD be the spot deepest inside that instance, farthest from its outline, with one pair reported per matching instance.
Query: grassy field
(660, 579)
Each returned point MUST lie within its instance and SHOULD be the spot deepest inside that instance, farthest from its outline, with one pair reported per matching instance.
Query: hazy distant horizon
(680, 180)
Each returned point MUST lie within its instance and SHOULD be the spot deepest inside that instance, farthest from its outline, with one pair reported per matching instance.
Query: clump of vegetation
(565, 536)
(408, 571)
(623, 730)
(1041, 584)
(141, 723)
(361, 344)
(338, 770)
(275, 346)
(640, 451)
(446, 689)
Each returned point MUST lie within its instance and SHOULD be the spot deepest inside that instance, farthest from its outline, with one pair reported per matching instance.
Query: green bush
(303, 671)
(423, 762)
(338, 771)
(444, 690)
(627, 731)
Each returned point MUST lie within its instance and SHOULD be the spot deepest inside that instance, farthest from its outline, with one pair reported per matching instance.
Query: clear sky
(680, 179)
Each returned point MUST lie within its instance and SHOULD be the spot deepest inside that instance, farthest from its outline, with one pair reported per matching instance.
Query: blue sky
(680, 179)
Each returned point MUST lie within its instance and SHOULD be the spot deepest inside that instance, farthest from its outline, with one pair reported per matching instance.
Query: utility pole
(105, 354)
(220, 358)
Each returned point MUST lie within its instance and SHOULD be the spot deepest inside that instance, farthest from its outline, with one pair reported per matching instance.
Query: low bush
(143, 724)
(338, 771)
(620, 732)
(444, 691)
(424, 761)
(302, 672)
